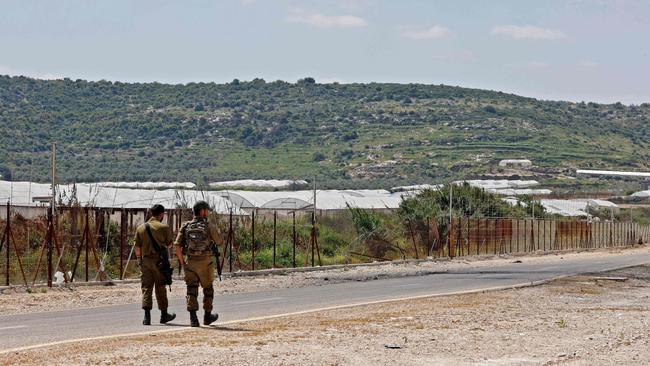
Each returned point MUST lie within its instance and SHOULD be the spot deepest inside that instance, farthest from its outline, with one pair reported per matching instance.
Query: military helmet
(200, 205)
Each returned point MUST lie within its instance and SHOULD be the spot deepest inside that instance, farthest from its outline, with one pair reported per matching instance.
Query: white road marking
(14, 327)
(409, 285)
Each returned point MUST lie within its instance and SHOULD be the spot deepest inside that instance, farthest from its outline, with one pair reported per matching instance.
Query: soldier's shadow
(227, 329)
(211, 327)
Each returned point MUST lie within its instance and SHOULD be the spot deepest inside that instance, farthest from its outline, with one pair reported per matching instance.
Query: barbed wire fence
(95, 242)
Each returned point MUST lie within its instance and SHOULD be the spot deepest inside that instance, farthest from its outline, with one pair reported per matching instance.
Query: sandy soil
(574, 321)
(18, 300)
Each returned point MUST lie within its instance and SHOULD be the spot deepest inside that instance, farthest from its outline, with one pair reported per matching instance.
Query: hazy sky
(576, 50)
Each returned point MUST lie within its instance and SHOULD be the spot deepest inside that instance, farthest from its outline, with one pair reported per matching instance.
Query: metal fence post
(468, 237)
(230, 241)
(459, 236)
(122, 240)
(538, 234)
(450, 245)
(275, 219)
(517, 235)
(294, 239)
(5, 240)
(313, 238)
(478, 235)
(544, 236)
(494, 235)
(611, 234)
(86, 253)
(253, 239)
(50, 238)
(428, 237)
(532, 235)
(510, 235)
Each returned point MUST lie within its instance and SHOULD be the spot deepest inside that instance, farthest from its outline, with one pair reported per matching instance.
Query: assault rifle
(217, 255)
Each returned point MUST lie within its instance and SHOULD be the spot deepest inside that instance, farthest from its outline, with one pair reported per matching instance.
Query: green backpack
(197, 239)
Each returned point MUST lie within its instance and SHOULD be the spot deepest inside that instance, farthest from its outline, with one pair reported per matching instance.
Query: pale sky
(574, 50)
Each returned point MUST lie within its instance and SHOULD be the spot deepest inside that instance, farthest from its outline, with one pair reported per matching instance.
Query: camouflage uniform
(196, 237)
(151, 277)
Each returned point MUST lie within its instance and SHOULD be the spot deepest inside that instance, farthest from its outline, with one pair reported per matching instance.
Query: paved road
(38, 328)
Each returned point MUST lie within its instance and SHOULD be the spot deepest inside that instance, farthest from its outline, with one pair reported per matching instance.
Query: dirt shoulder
(18, 300)
(575, 321)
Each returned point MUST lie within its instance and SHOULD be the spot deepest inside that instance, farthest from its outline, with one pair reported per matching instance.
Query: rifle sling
(156, 247)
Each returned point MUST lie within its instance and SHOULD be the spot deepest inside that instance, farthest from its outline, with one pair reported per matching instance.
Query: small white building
(516, 163)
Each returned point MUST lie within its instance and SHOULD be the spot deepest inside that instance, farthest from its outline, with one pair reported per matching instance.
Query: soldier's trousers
(151, 279)
(199, 271)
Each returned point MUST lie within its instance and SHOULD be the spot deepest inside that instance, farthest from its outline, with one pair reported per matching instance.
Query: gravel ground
(18, 300)
(575, 321)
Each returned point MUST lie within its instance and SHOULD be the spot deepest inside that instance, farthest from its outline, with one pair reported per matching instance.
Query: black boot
(147, 317)
(210, 318)
(194, 321)
(166, 317)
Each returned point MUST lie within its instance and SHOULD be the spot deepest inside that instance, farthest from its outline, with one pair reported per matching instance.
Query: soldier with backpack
(196, 241)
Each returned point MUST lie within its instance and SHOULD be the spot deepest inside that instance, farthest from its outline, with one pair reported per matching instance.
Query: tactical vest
(197, 238)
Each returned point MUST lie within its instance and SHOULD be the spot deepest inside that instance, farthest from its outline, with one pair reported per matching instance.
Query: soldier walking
(149, 236)
(196, 240)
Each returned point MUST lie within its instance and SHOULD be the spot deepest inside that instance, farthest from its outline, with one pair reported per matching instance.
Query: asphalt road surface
(25, 330)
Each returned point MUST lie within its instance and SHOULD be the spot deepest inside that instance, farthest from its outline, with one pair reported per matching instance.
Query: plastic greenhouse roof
(325, 199)
(577, 207)
(500, 183)
(613, 173)
(22, 194)
(258, 184)
(146, 185)
(519, 192)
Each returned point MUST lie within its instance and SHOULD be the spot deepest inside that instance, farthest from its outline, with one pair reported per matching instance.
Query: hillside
(347, 135)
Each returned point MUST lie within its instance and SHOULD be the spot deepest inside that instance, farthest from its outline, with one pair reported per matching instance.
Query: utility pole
(313, 226)
(53, 203)
(451, 222)
(314, 195)
(52, 219)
